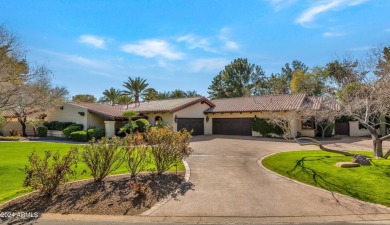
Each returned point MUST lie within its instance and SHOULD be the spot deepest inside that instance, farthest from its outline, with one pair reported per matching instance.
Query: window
(157, 120)
(309, 124)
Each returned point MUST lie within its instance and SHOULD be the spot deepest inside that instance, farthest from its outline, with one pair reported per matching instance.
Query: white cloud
(387, 30)
(152, 48)
(92, 40)
(228, 44)
(281, 4)
(333, 34)
(194, 41)
(231, 45)
(323, 6)
(209, 65)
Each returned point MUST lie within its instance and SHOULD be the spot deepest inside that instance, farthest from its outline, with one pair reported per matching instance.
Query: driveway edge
(314, 187)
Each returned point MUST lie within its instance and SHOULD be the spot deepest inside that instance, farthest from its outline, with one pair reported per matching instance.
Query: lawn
(14, 156)
(317, 168)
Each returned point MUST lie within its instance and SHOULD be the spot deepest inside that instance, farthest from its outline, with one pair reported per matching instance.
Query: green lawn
(13, 155)
(317, 168)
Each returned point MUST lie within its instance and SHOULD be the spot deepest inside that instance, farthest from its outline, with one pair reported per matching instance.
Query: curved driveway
(228, 182)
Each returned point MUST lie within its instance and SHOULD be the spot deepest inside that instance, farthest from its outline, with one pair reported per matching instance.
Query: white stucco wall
(167, 118)
(15, 125)
(194, 111)
(95, 120)
(69, 114)
(354, 130)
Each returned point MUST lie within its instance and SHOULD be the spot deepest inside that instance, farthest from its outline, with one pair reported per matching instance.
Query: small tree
(103, 157)
(34, 123)
(168, 147)
(47, 173)
(136, 155)
(131, 125)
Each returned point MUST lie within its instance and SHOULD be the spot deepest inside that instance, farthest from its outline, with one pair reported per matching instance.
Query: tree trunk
(24, 133)
(378, 151)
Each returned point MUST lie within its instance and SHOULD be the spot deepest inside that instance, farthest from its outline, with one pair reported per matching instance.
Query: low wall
(354, 130)
(55, 133)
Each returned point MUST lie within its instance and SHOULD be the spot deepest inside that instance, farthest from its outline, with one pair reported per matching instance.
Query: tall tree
(193, 93)
(150, 94)
(310, 83)
(111, 96)
(87, 98)
(178, 94)
(239, 78)
(125, 100)
(136, 87)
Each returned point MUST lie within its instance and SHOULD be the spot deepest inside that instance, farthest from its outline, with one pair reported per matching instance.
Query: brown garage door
(232, 126)
(342, 128)
(194, 124)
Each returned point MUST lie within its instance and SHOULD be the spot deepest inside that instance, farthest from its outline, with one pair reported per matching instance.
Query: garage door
(194, 124)
(232, 126)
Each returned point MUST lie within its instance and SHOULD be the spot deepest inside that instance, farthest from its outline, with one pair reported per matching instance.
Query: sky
(93, 45)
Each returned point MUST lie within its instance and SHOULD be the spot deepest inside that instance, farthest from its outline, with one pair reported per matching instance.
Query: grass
(317, 168)
(14, 156)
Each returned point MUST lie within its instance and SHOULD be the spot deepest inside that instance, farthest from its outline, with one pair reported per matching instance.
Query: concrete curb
(313, 187)
(165, 200)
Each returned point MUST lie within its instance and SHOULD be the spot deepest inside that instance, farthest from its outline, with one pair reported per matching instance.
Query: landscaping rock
(362, 160)
(347, 164)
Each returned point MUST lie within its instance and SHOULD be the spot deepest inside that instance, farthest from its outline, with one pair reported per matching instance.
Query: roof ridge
(270, 95)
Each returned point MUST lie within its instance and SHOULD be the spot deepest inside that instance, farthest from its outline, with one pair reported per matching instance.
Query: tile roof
(258, 103)
(169, 105)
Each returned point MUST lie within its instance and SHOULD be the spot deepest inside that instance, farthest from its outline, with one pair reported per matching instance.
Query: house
(231, 116)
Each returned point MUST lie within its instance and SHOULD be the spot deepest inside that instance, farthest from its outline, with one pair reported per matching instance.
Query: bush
(103, 157)
(72, 128)
(47, 173)
(168, 147)
(329, 130)
(143, 125)
(265, 128)
(96, 133)
(136, 156)
(55, 125)
(42, 131)
(9, 138)
(14, 133)
(79, 136)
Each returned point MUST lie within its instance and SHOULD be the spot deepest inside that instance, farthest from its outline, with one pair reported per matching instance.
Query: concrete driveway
(229, 183)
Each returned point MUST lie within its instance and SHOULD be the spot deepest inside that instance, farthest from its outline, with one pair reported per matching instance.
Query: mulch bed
(112, 196)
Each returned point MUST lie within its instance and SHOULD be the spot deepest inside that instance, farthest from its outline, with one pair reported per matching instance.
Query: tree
(86, 98)
(164, 95)
(150, 94)
(278, 84)
(238, 79)
(309, 83)
(125, 100)
(131, 125)
(193, 93)
(111, 96)
(178, 94)
(136, 87)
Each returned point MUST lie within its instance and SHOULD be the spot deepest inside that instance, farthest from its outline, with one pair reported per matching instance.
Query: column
(110, 128)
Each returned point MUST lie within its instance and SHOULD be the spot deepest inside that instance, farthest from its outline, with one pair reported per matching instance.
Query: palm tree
(150, 94)
(192, 94)
(178, 94)
(164, 95)
(125, 100)
(135, 87)
(111, 95)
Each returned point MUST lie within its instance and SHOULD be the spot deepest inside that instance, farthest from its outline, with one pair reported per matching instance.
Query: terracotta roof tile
(258, 103)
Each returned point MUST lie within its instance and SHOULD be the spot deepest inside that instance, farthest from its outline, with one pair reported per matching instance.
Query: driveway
(228, 182)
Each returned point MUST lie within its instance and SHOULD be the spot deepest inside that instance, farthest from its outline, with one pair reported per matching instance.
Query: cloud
(279, 5)
(92, 40)
(387, 30)
(323, 6)
(333, 34)
(228, 44)
(209, 65)
(194, 41)
(152, 48)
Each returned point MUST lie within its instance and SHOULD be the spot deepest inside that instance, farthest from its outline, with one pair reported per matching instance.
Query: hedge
(96, 133)
(262, 126)
(42, 131)
(142, 125)
(79, 136)
(72, 128)
(56, 125)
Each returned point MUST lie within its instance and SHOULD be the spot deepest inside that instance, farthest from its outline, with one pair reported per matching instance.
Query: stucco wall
(69, 114)
(354, 130)
(95, 120)
(167, 118)
(194, 111)
(15, 125)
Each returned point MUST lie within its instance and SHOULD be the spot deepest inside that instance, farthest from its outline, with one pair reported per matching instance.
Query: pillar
(110, 128)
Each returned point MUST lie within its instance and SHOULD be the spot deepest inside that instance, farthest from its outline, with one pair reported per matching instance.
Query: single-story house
(229, 116)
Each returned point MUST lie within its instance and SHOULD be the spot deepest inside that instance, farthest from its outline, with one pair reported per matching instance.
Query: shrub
(72, 128)
(42, 131)
(136, 154)
(265, 128)
(168, 147)
(96, 133)
(143, 125)
(14, 133)
(9, 138)
(103, 157)
(47, 173)
(328, 131)
(55, 125)
(79, 136)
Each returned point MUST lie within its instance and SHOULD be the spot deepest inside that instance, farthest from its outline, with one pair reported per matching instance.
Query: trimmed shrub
(72, 128)
(79, 136)
(9, 138)
(265, 128)
(42, 131)
(143, 125)
(103, 157)
(55, 125)
(168, 147)
(96, 133)
(47, 173)
(14, 133)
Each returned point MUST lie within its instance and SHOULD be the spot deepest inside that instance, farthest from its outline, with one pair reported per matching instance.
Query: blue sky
(93, 45)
